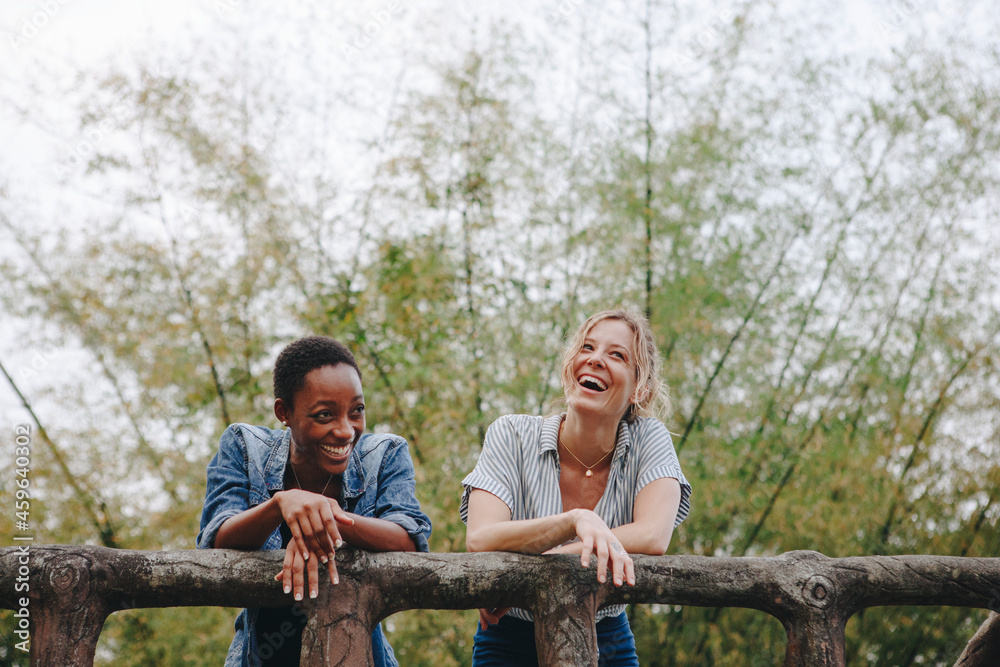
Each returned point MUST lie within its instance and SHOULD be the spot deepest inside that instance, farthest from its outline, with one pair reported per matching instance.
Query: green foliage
(143, 637)
(813, 253)
(10, 655)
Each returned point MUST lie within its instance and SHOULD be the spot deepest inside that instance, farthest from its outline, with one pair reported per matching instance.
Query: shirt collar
(549, 441)
(624, 440)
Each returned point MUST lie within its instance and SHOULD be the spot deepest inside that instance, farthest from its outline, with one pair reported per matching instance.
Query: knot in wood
(64, 578)
(71, 580)
(818, 591)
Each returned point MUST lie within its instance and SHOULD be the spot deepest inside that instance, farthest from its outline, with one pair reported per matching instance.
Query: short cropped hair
(652, 396)
(305, 355)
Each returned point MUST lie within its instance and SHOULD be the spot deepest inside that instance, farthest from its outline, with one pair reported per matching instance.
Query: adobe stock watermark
(225, 6)
(564, 10)
(261, 139)
(370, 29)
(93, 135)
(897, 13)
(271, 642)
(706, 35)
(22, 526)
(32, 25)
(39, 362)
(819, 100)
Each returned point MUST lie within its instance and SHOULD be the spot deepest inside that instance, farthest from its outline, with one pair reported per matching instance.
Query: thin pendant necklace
(590, 468)
(299, 484)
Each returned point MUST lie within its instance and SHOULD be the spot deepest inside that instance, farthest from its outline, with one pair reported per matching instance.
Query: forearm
(653, 515)
(633, 538)
(376, 534)
(528, 536)
(639, 539)
(250, 528)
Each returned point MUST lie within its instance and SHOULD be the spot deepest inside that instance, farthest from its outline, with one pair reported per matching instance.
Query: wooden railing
(61, 595)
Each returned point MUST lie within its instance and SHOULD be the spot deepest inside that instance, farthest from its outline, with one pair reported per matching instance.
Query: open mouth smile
(592, 383)
(337, 452)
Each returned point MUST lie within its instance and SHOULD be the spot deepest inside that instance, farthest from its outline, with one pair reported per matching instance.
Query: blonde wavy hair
(652, 395)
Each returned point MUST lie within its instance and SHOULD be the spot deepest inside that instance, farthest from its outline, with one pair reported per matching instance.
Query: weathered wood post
(73, 589)
(341, 620)
(70, 602)
(813, 596)
(983, 650)
(562, 596)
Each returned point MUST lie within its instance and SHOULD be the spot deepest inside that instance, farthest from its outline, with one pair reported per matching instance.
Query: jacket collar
(354, 477)
(353, 482)
(274, 465)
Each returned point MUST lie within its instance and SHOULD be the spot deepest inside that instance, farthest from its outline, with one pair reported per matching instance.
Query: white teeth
(336, 451)
(599, 382)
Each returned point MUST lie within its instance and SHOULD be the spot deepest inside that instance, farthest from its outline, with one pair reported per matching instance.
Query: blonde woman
(601, 480)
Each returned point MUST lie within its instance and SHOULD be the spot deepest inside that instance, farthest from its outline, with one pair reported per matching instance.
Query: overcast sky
(58, 38)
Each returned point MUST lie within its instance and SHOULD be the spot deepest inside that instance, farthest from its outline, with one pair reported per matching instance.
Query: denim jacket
(250, 466)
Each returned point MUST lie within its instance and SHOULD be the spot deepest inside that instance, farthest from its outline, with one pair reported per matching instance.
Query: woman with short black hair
(308, 488)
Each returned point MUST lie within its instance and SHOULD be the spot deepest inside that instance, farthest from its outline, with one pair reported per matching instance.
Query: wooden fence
(61, 595)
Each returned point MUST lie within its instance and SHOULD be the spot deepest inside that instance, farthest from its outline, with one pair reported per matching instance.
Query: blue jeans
(511, 642)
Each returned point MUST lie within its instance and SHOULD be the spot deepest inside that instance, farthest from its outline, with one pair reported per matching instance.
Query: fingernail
(277, 576)
(288, 589)
(336, 579)
(298, 596)
(306, 557)
(323, 559)
(332, 555)
(618, 582)
(339, 543)
(601, 579)
(313, 593)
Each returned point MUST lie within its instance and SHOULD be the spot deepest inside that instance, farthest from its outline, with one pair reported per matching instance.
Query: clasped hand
(313, 521)
(593, 538)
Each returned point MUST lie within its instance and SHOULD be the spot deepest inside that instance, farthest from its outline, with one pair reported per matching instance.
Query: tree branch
(86, 497)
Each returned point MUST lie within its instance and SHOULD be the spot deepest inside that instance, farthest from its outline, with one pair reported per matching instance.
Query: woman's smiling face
(603, 370)
(327, 418)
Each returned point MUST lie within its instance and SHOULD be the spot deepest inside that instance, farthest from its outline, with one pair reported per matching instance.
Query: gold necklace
(299, 484)
(590, 471)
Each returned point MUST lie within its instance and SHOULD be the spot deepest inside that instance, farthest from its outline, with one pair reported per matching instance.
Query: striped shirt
(520, 465)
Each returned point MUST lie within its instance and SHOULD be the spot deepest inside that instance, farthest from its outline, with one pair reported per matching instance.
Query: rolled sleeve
(227, 490)
(397, 497)
(664, 471)
(206, 538)
(477, 480)
(657, 460)
(495, 467)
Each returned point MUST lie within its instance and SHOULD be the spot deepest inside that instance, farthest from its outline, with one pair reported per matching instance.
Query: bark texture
(73, 589)
(983, 649)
